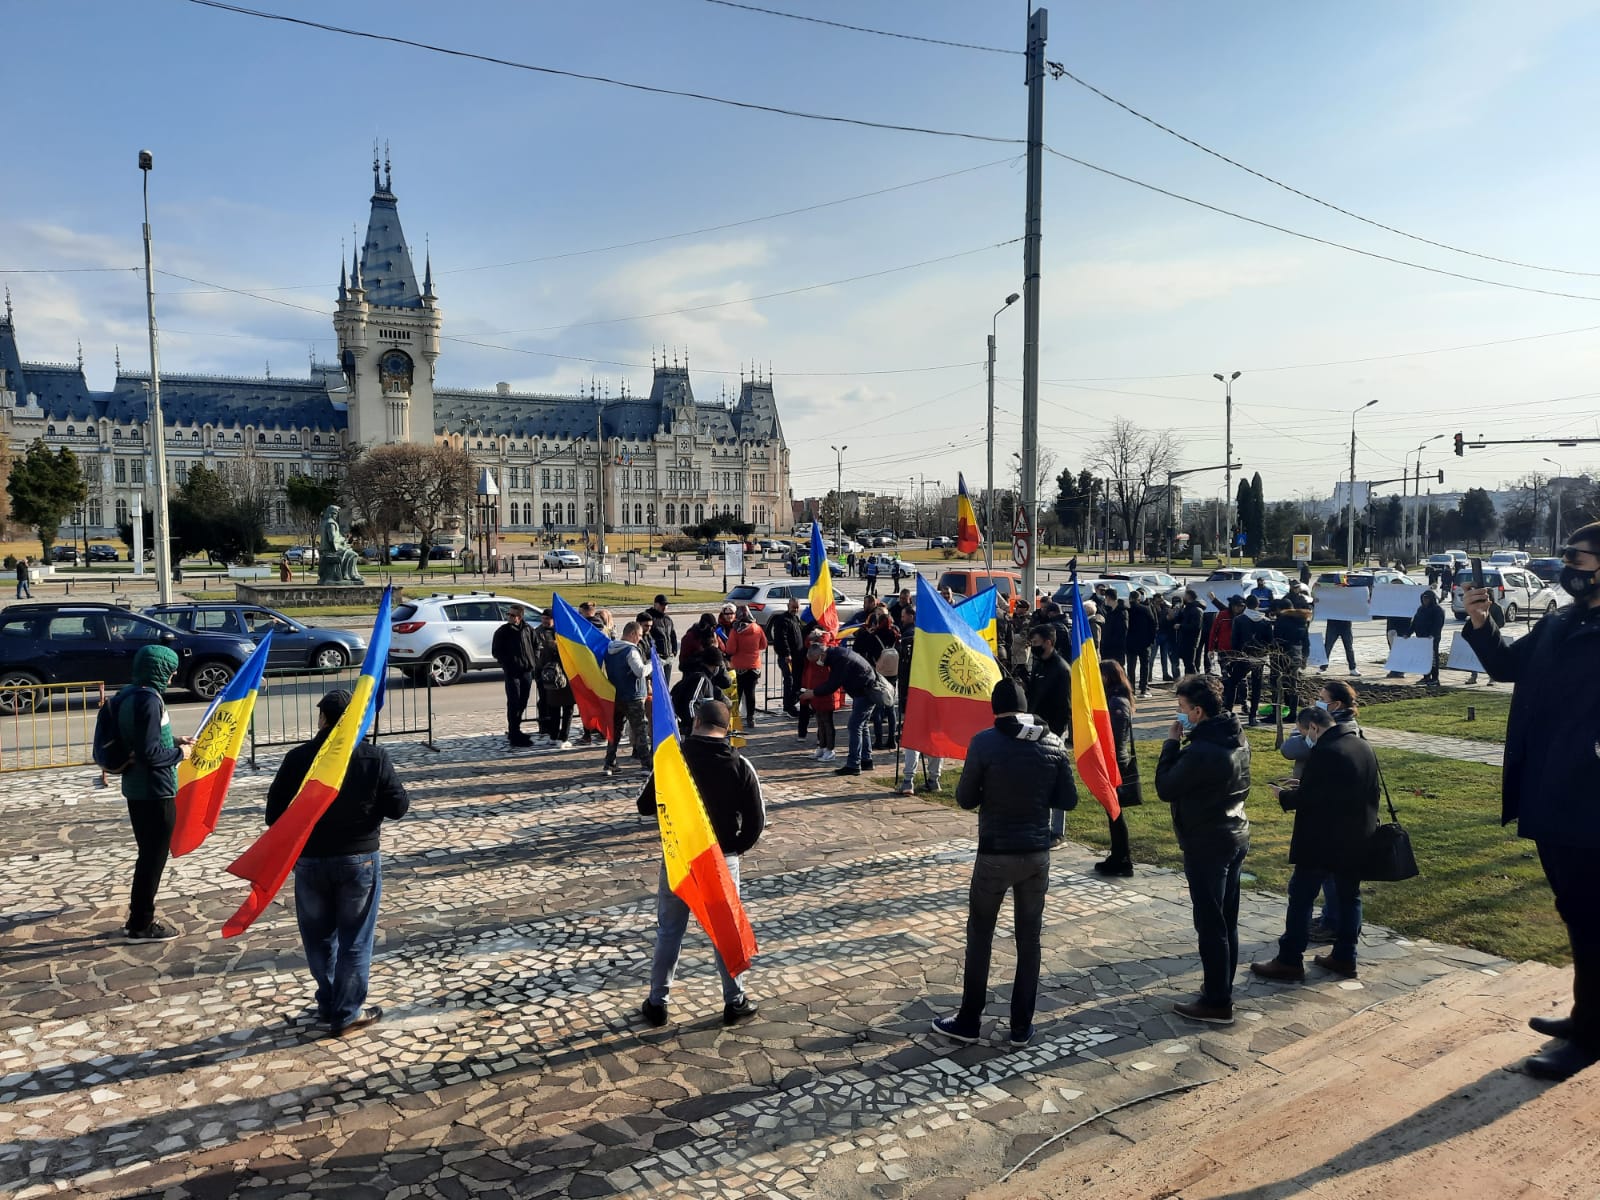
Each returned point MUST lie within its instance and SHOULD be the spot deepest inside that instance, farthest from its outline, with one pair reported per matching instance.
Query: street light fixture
(1416, 502)
(1227, 457)
(838, 496)
(988, 491)
(1171, 475)
(1350, 510)
(1555, 534)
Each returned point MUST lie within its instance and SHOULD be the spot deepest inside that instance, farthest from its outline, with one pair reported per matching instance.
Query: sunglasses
(1570, 554)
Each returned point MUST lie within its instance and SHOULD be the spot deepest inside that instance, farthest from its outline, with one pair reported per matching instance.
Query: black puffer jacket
(1015, 774)
(1553, 736)
(785, 636)
(1428, 621)
(1206, 782)
(728, 787)
(1336, 804)
(1050, 692)
(1141, 627)
(1114, 637)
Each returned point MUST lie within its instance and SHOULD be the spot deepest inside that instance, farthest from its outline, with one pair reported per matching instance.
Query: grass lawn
(622, 600)
(1447, 714)
(1480, 886)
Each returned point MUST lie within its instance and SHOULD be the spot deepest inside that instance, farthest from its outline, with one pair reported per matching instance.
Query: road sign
(1019, 524)
(1021, 549)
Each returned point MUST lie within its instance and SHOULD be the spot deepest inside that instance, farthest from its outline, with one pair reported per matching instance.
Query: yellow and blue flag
(982, 612)
(1093, 747)
(697, 872)
(952, 674)
(582, 648)
(204, 776)
(270, 858)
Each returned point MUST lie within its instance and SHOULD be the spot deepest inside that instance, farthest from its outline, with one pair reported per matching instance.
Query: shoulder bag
(1389, 858)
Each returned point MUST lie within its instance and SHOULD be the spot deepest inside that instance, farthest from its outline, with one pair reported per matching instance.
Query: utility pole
(1350, 510)
(1038, 33)
(600, 494)
(1227, 457)
(158, 425)
(838, 495)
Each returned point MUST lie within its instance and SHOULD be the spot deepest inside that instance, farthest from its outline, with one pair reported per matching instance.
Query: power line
(605, 79)
(65, 270)
(1304, 195)
(905, 37)
(1310, 237)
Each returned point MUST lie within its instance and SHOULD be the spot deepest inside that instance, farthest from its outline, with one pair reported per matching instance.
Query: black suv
(93, 643)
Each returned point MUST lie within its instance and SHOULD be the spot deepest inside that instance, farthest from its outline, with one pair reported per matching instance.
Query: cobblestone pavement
(516, 930)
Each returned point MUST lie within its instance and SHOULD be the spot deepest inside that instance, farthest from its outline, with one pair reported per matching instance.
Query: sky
(550, 207)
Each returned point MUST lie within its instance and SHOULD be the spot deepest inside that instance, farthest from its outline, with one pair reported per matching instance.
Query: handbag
(1389, 858)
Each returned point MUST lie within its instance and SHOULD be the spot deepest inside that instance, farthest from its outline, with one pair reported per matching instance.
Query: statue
(336, 562)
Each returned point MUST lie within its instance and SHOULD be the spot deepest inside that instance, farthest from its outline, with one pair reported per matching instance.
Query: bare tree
(422, 487)
(1135, 462)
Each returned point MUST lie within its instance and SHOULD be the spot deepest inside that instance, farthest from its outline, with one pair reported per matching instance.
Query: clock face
(394, 370)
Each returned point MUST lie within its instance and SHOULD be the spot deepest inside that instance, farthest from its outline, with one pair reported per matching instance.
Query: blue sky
(1467, 123)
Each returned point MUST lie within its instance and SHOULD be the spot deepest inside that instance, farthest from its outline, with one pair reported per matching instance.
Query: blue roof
(386, 270)
(226, 402)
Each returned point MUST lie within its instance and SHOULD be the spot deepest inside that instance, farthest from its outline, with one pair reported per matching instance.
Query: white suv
(764, 599)
(445, 636)
(1518, 591)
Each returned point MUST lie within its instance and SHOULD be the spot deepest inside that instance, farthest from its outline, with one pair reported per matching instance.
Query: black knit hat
(1008, 697)
(334, 703)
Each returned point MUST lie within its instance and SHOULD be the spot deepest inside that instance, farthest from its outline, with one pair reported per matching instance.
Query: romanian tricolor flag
(952, 674)
(697, 873)
(822, 608)
(204, 776)
(1092, 744)
(583, 655)
(268, 861)
(968, 536)
(982, 612)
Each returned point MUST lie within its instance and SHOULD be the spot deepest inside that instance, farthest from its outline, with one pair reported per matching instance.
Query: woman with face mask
(1204, 774)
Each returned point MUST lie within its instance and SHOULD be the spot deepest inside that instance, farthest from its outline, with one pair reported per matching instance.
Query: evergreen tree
(44, 489)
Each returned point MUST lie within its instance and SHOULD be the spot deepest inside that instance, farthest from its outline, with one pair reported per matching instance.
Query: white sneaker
(827, 756)
(818, 753)
(1355, 674)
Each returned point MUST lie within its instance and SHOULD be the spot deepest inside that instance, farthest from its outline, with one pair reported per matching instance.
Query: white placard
(733, 559)
(1319, 650)
(1343, 604)
(1397, 599)
(1462, 656)
(1411, 656)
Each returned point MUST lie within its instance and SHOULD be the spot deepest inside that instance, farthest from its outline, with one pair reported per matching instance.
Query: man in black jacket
(731, 793)
(1548, 781)
(513, 649)
(1335, 806)
(1189, 626)
(664, 634)
(1015, 774)
(850, 673)
(1141, 641)
(1206, 779)
(788, 641)
(338, 878)
(1050, 699)
(1428, 622)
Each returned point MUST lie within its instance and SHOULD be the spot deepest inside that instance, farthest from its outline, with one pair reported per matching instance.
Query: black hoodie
(729, 788)
(1206, 782)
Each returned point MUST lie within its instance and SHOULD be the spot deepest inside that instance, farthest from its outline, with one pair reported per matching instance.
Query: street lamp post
(1555, 533)
(158, 428)
(838, 496)
(1350, 509)
(988, 491)
(1171, 475)
(1227, 457)
(1416, 495)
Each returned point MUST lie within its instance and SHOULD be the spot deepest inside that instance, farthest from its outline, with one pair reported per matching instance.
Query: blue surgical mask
(1185, 720)
(1322, 704)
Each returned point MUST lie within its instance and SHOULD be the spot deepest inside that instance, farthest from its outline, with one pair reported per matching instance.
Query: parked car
(1155, 583)
(100, 552)
(764, 599)
(886, 564)
(1547, 569)
(445, 636)
(1454, 559)
(1063, 594)
(64, 554)
(1508, 558)
(1243, 580)
(561, 560)
(294, 643)
(941, 543)
(88, 642)
(441, 553)
(884, 539)
(405, 552)
(1519, 592)
(301, 555)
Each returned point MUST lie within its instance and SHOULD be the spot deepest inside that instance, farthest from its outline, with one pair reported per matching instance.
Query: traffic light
(1441, 474)
(1459, 451)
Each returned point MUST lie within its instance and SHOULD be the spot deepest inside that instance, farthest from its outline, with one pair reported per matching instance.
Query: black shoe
(749, 722)
(655, 1015)
(1343, 967)
(519, 739)
(947, 1027)
(1211, 1014)
(1556, 1027)
(733, 1014)
(156, 931)
(367, 1016)
(930, 787)
(1321, 933)
(847, 769)
(866, 764)
(1561, 1061)
(1115, 866)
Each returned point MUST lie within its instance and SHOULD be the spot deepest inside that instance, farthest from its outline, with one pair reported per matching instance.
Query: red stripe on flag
(268, 861)
(943, 725)
(1099, 776)
(709, 892)
(198, 807)
(595, 712)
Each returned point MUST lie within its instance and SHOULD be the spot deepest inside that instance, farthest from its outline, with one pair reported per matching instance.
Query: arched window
(278, 512)
(699, 514)
(50, 430)
(261, 439)
(116, 435)
(672, 513)
(588, 513)
(527, 512)
(546, 511)
(650, 515)
(122, 510)
(294, 439)
(194, 435)
(316, 439)
(237, 436)
(638, 514)
(277, 439)
(70, 431)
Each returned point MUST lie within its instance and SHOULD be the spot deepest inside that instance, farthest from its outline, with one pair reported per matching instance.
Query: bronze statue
(337, 562)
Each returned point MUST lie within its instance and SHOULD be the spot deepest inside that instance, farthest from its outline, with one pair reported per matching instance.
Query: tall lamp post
(1350, 509)
(988, 491)
(1227, 456)
(1171, 475)
(158, 428)
(1416, 509)
(838, 496)
(1555, 533)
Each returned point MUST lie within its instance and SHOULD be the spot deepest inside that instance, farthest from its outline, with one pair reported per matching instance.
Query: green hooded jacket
(147, 729)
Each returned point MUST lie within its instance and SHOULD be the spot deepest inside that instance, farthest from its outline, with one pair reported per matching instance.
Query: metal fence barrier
(48, 725)
(286, 708)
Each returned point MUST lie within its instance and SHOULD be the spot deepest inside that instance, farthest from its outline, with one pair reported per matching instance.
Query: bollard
(1472, 713)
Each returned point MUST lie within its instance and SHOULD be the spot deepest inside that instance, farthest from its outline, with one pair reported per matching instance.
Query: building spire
(118, 351)
(376, 186)
(388, 179)
(8, 306)
(355, 270)
(344, 288)
(80, 356)
(427, 271)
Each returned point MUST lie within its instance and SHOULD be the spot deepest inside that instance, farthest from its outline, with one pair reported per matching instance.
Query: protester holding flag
(1119, 701)
(338, 875)
(1204, 774)
(968, 536)
(1015, 772)
(204, 777)
(952, 673)
(149, 783)
(823, 610)
(582, 648)
(625, 668)
(708, 801)
(1094, 747)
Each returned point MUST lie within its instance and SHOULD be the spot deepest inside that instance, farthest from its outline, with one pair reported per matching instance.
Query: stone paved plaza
(516, 930)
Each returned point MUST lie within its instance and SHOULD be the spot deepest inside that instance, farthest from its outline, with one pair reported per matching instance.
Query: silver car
(764, 599)
(1518, 591)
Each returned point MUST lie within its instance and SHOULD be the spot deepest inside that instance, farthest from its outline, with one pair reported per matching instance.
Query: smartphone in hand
(1477, 572)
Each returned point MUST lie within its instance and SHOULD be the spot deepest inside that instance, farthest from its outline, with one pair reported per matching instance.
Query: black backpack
(111, 752)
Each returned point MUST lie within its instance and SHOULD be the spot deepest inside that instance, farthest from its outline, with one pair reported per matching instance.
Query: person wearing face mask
(1335, 806)
(1338, 698)
(1429, 623)
(1204, 774)
(1552, 760)
(1050, 699)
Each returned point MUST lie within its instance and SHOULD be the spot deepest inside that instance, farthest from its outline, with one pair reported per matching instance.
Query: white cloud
(1110, 287)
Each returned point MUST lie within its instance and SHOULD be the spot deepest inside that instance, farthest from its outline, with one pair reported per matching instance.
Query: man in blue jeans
(731, 792)
(852, 674)
(338, 878)
(1016, 774)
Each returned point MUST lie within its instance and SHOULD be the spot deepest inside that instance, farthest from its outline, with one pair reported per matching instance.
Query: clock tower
(388, 330)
